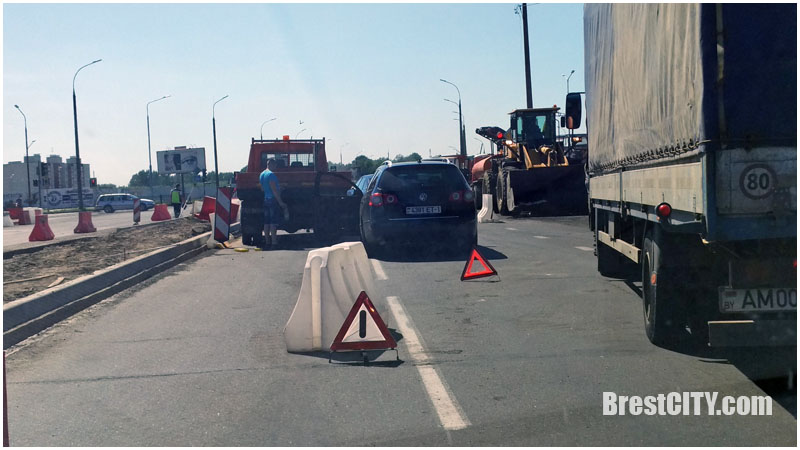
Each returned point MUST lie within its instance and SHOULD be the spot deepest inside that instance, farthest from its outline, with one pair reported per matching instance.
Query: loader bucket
(548, 191)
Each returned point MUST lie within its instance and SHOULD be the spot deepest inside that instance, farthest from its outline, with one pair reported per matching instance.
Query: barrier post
(222, 211)
(137, 211)
(41, 230)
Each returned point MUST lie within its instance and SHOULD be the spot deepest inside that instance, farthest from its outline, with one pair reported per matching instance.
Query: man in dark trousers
(175, 199)
(273, 205)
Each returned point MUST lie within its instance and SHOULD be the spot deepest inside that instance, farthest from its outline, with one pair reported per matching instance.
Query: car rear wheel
(108, 209)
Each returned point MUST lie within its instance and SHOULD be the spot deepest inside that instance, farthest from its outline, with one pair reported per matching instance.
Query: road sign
(487, 271)
(363, 329)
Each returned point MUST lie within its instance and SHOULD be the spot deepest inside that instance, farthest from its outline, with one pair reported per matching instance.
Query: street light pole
(262, 126)
(214, 128)
(461, 135)
(149, 152)
(568, 77)
(298, 133)
(27, 162)
(77, 147)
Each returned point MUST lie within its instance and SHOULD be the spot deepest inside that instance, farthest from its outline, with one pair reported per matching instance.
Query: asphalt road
(63, 225)
(196, 356)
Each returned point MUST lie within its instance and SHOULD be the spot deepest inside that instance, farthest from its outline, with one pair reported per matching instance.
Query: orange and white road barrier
(85, 223)
(160, 212)
(206, 209)
(15, 213)
(24, 217)
(222, 214)
(41, 230)
(137, 211)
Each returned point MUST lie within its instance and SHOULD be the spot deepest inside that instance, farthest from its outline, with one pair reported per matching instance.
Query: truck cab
(315, 197)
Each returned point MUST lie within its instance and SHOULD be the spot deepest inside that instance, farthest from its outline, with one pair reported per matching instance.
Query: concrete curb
(27, 316)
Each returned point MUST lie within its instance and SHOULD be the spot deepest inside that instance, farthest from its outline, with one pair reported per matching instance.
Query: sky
(364, 76)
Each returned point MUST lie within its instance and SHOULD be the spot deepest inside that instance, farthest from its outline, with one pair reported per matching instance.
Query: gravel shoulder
(29, 273)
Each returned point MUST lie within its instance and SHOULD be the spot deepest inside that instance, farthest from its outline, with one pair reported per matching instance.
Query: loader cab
(534, 127)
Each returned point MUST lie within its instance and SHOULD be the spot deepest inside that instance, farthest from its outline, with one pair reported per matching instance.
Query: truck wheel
(502, 205)
(661, 305)
(477, 192)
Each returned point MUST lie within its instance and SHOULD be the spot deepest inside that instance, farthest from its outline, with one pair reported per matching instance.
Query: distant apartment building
(53, 174)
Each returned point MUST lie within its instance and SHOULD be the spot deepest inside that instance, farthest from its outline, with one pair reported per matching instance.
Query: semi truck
(316, 198)
(692, 172)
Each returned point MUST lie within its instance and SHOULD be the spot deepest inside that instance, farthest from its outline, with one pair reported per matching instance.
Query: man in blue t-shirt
(273, 205)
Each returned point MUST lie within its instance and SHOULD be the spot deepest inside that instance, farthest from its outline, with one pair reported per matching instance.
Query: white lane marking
(450, 414)
(379, 273)
(586, 249)
(512, 229)
(541, 237)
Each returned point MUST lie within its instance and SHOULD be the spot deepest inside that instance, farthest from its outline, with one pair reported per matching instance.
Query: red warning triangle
(363, 329)
(487, 271)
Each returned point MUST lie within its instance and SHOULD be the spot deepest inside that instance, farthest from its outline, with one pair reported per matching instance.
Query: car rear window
(439, 176)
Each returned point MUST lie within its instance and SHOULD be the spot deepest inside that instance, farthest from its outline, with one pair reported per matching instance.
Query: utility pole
(528, 91)
(214, 132)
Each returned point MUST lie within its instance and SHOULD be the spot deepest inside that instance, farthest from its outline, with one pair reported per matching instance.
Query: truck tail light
(376, 200)
(663, 210)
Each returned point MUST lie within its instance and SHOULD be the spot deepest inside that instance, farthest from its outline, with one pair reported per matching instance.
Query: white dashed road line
(541, 237)
(379, 273)
(511, 229)
(586, 249)
(450, 414)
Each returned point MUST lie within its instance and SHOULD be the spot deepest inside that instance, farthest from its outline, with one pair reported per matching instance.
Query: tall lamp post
(262, 126)
(214, 130)
(27, 162)
(461, 136)
(568, 77)
(298, 133)
(78, 166)
(149, 152)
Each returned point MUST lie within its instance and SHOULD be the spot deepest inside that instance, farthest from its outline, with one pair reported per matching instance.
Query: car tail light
(376, 199)
(390, 199)
(663, 210)
(462, 196)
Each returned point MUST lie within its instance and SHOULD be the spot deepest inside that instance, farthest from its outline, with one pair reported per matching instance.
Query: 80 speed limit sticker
(757, 181)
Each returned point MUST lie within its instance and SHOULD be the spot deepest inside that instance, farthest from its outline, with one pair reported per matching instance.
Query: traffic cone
(41, 230)
(85, 223)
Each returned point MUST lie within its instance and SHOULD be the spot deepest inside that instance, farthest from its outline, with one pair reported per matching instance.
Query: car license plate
(423, 210)
(757, 300)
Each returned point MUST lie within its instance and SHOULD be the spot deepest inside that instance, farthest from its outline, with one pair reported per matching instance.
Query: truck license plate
(423, 210)
(757, 300)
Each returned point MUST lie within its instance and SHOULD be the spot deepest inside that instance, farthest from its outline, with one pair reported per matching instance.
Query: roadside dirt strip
(24, 317)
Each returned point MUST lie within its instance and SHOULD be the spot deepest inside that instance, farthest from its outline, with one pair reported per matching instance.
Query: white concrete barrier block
(333, 277)
(212, 243)
(486, 214)
(7, 222)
